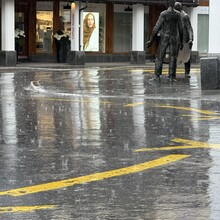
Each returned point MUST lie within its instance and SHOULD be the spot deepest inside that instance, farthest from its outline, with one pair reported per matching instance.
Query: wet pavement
(107, 142)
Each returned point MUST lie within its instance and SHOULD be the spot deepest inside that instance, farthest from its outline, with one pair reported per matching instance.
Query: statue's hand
(148, 43)
(190, 44)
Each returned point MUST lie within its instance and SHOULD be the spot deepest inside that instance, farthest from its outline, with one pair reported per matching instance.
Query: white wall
(214, 27)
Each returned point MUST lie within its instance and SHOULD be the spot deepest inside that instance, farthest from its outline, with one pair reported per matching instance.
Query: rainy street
(108, 143)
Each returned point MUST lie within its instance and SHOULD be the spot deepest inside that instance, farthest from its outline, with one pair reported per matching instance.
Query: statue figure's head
(170, 3)
(178, 6)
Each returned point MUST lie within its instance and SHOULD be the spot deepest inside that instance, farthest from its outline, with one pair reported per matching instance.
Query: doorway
(21, 24)
(44, 27)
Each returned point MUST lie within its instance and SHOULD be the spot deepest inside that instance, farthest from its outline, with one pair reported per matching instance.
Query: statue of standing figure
(185, 53)
(171, 31)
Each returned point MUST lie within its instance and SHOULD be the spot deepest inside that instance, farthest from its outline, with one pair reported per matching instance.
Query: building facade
(123, 27)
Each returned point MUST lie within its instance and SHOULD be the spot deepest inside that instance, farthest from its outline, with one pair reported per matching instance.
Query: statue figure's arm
(189, 30)
(155, 31)
(180, 29)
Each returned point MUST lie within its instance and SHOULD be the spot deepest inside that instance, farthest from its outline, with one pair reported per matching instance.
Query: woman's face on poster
(90, 21)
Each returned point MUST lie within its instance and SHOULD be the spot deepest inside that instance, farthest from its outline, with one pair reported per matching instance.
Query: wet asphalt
(107, 142)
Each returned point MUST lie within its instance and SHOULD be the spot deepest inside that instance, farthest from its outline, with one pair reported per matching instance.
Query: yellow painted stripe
(163, 148)
(206, 112)
(195, 143)
(24, 208)
(180, 71)
(202, 118)
(94, 177)
(206, 118)
(189, 145)
(134, 104)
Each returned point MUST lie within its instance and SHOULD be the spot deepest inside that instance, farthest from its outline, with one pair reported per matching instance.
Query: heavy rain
(107, 142)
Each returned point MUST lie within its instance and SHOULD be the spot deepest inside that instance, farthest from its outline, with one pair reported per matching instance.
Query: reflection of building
(123, 28)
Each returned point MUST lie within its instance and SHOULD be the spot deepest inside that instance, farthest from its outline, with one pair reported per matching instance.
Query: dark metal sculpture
(184, 54)
(171, 34)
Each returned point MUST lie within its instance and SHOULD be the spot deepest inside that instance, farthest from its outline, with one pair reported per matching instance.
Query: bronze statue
(184, 54)
(171, 31)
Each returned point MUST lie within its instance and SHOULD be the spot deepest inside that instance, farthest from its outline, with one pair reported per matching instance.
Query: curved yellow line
(206, 112)
(94, 177)
(188, 145)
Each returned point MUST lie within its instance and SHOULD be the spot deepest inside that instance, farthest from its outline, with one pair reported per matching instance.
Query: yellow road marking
(134, 104)
(206, 112)
(94, 177)
(151, 70)
(203, 118)
(189, 145)
(24, 208)
(207, 118)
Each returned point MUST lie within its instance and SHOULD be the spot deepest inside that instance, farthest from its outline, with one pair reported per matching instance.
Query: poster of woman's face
(91, 31)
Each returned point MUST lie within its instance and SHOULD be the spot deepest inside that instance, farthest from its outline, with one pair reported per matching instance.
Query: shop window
(203, 33)
(122, 32)
(44, 27)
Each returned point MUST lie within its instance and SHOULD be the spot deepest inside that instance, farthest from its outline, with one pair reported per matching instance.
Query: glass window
(203, 33)
(122, 32)
(122, 36)
(19, 20)
(44, 27)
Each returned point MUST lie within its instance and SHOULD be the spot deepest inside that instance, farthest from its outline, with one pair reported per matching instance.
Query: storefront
(40, 20)
(115, 22)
